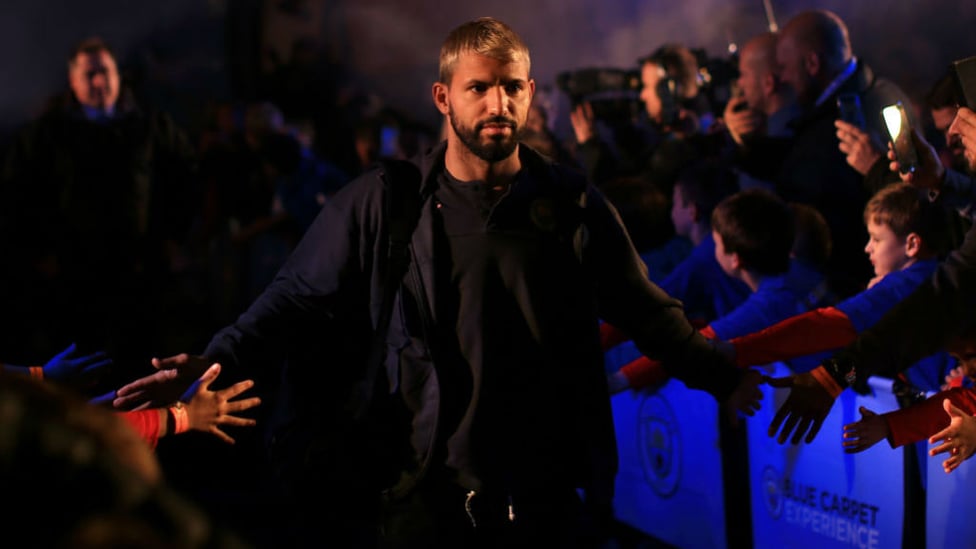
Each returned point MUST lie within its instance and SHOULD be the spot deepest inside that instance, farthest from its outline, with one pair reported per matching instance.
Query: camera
(613, 93)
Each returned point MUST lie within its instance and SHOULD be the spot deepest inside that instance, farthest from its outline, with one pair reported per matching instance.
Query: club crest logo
(543, 214)
(659, 445)
(771, 491)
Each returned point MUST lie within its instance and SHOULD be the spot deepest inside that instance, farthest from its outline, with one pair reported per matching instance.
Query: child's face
(682, 215)
(724, 259)
(885, 250)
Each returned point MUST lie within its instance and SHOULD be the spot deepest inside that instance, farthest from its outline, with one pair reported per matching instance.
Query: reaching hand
(209, 410)
(955, 378)
(805, 408)
(76, 371)
(164, 387)
(958, 439)
(747, 397)
(865, 433)
(861, 151)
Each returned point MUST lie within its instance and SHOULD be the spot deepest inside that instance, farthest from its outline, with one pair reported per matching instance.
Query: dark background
(184, 54)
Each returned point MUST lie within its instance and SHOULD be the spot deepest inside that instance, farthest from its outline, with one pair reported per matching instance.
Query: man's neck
(464, 165)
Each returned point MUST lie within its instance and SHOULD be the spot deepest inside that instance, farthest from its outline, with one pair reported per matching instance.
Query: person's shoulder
(553, 171)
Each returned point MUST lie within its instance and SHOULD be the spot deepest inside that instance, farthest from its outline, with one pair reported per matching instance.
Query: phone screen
(668, 93)
(900, 133)
(964, 73)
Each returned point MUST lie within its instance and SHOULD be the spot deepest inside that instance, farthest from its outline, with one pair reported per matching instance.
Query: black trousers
(441, 514)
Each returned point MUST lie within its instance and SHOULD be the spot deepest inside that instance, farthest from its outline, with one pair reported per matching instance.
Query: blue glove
(77, 371)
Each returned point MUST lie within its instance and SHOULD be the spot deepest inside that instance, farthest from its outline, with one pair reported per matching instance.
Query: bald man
(764, 104)
(815, 59)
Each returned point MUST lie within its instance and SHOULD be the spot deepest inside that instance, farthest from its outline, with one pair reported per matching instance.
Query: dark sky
(390, 46)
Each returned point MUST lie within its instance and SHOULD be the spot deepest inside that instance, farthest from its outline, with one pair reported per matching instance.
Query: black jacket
(330, 291)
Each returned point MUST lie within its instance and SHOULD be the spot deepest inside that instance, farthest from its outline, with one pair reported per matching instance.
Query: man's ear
(734, 261)
(769, 84)
(913, 245)
(811, 62)
(439, 93)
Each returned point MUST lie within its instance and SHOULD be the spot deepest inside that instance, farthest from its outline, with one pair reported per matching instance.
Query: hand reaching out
(865, 433)
(805, 408)
(958, 439)
(747, 397)
(68, 368)
(208, 411)
(175, 375)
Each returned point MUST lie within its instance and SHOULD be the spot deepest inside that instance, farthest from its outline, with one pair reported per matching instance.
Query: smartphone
(667, 91)
(849, 109)
(900, 133)
(964, 74)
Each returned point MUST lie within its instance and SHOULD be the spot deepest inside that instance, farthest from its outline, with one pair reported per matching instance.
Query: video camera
(717, 76)
(614, 94)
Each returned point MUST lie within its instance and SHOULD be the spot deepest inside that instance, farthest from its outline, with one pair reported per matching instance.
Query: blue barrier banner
(670, 481)
(950, 500)
(816, 496)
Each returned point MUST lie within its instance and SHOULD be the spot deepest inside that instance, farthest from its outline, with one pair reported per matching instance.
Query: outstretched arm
(804, 334)
(958, 439)
(174, 376)
(205, 410)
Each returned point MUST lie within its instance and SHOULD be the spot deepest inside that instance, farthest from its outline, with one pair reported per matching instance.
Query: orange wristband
(36, 372)
(823, 377)
(180, 418)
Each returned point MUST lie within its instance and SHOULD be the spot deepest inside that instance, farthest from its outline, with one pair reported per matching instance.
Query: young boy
(706, 291)
(906, 235)
(753, 232)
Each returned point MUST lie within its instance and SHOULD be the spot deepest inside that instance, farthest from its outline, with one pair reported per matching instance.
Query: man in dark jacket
(94, 202)
(493, 353)
(814, 55)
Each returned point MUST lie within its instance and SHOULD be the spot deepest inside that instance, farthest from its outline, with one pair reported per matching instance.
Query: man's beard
(498, 148)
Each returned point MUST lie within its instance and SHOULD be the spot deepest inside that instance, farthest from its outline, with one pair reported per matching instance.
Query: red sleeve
(145, 423)
(610, 336)
(644, 372)
(804, 334)
(922, 420)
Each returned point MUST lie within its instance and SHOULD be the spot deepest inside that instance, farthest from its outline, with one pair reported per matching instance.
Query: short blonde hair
(485, 36)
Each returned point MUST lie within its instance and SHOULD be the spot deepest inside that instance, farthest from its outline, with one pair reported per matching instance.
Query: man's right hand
(805, 408)
(741, 121)
(176, 374)
(930, 172)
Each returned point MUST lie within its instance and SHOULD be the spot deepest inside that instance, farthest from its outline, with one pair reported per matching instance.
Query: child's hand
(863, 434)
(955, 378)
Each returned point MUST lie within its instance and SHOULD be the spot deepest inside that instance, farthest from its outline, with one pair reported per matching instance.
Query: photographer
(674, 106)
